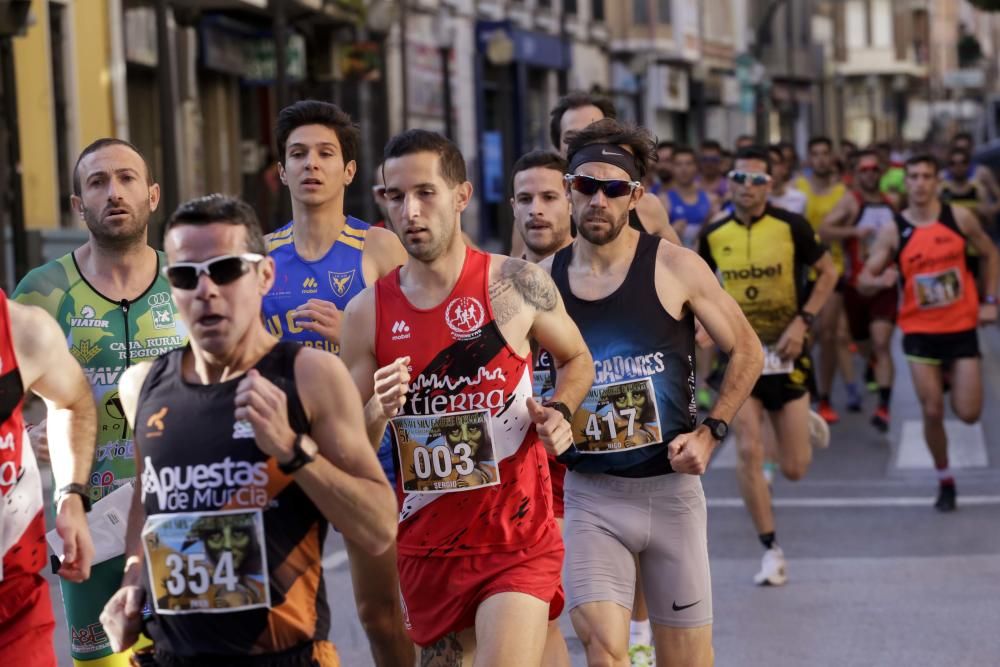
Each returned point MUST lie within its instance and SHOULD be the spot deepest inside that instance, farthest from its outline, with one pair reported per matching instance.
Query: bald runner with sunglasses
(270, 438)
(633, 491)
(762, 253)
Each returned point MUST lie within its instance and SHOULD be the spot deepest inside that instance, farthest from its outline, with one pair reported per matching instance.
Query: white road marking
(334, 560)
(966, 446)
(876, 501)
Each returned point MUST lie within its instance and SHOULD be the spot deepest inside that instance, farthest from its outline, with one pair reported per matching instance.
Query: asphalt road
(876, 576)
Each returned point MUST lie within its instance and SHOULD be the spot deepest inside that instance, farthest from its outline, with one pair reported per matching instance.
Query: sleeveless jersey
(471, 475)
(872, 216)
(939, 291)
(335, 277)
(22, 523)
(695, 214)
(643, 393)
(233, 546)
(763, 265)
(106, 337)
(817, 208)
(633, 221)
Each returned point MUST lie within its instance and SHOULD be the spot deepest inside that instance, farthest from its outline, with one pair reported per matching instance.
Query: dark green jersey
(106, 337)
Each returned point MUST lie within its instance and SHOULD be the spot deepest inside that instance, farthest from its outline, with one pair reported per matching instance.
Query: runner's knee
(794, 470)
(933, 408)
(379, 618)
(968, 414)
(750, 451)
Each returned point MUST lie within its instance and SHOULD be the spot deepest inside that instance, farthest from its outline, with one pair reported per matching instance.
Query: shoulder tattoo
(521, 283)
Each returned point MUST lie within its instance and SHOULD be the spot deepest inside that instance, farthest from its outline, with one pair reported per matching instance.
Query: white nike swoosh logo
(604, 152)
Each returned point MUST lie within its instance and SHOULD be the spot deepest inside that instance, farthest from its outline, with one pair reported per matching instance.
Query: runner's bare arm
(128, 392)
(48, 369)
(358, 353)
(345, 482)
(721, 317)
(826, 281)
(836, 225)
(873, 276)
(654, 218)
(383, 253)
(977, 237)
(989, 181)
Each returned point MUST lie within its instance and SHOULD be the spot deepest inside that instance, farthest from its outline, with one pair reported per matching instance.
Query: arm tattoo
(521, 283)
(446, 652)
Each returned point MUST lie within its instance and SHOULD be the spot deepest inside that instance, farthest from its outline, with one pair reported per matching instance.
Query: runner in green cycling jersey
(115, 308)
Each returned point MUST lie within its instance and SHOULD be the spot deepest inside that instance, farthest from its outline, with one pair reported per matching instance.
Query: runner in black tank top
(637, 455)
(246, 448)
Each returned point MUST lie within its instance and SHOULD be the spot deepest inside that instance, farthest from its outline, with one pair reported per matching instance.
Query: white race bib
(446, 453)
(616, 417)
(774, 364)
(207, 562)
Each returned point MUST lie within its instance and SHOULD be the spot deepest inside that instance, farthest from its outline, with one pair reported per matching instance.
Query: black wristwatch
(300, 457)
(561, 407)
(78, 489)
(807, 317)
(718, 428)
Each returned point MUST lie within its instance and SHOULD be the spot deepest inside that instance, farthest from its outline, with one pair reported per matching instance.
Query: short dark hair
(755, 153)
(575, 100)
(104, 143)
(609, 131)
(817, 140)
(220, 208)
(535, 159)
(685, 150)
(956, 150)
(316, 112)
(863, 153)
(962, 136)
(665, 143)
(775, 149)
(452, 164)
(922, 158)
(711, 145)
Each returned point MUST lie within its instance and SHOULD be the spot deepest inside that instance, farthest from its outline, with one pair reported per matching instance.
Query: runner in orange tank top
(940, 306)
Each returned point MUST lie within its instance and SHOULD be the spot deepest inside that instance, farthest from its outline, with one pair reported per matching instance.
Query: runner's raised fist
(392, 382)
(552, 428)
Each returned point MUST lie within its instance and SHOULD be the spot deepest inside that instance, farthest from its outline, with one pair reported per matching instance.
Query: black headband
(608, 153)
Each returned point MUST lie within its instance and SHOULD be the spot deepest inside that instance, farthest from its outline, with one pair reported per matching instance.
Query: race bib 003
(774, 364)
(616, 417)
(207, 562)
(936, 290)
(446, 453)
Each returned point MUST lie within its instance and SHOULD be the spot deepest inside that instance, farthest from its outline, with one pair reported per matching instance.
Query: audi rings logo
(159, 299)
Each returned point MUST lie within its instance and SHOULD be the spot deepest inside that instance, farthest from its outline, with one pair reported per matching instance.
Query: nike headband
(608, 153)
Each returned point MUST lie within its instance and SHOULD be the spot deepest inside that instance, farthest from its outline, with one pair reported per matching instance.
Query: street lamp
(444, 29)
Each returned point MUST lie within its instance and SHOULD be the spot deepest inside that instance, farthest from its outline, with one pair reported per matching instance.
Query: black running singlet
(634, 222)
(643, 393)
(233, 546)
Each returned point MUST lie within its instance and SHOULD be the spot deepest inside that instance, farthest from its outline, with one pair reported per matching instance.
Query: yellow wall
(36, 125)
(93, 80)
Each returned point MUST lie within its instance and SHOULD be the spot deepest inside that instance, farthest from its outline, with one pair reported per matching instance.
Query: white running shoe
(642, 655)
(772, 568)
(819, 431)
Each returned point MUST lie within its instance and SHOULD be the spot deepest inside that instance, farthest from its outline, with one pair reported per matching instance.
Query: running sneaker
(704, 398)
(827, 412)
(853, 398)
(946, 498)
(642, 655)
(880, 419)
(772, 568)
(819, 431)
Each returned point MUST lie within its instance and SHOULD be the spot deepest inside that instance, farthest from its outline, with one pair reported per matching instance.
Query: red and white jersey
(472, 477)
(22, 524)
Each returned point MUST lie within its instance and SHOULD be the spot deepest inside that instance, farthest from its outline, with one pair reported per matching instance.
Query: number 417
(594, 427)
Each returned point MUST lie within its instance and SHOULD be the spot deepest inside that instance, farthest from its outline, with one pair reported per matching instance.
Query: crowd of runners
(496, 438)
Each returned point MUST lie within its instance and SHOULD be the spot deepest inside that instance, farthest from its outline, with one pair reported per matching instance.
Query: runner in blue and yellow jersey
(323, 258)
(115, 310)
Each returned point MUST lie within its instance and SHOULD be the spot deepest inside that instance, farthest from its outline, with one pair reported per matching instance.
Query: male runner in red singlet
(940, 308)
(33, 355)
(855, 222)
(442, 348)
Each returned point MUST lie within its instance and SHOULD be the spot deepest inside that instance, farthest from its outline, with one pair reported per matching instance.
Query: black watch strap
(807, 317)
(561, 407)
(299, 457)
(78, 489)
(718, 428)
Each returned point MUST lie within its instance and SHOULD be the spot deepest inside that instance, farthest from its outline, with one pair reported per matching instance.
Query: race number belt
(446, 453)
(207, 562)
(617, 417)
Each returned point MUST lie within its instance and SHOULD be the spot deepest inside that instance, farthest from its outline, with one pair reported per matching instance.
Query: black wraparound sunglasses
(221, 270)
(588, 185)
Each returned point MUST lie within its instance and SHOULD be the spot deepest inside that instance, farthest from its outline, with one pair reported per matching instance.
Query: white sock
(943, 474)
(640, 632)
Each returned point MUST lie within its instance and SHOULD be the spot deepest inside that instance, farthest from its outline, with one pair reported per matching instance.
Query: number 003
(437, 461)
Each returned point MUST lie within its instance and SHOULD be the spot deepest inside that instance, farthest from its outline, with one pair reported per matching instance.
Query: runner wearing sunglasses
(855, 222)
(762, 254)
(115, 309)
(444, 344)
(633, 491)
(247, 448)
(323, 259)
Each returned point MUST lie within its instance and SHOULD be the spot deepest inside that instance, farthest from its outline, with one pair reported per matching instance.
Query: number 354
(191, 574)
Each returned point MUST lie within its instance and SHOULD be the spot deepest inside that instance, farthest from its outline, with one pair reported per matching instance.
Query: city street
(877, 577)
